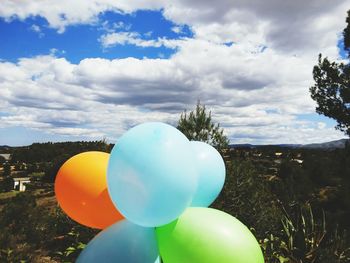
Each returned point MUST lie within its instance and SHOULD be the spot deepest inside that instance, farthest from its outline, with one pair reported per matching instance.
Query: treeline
(46, 152)
(48, 157)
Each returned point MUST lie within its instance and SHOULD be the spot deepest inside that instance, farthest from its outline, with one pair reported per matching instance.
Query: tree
(198, 126)
(2, 160)
(331, 90)
(7, 170)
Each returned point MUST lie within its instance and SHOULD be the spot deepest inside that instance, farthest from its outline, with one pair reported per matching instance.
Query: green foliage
(27, 227)
(273, 247)
(49, 157)
(303, 235)
(292, 234)
(6, 170)
(331, 90)
(73, 250)
(322, 179)
(296, 186)
(46, 152)
(246, 196)
(7, 195)
(36, 176)
(304, 239)
(198, 126)
(2, 160)
(336, 248)
(52, 169)
(6, 184)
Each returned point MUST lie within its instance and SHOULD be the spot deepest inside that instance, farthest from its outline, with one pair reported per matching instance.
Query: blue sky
(33, 36)
(94, 70)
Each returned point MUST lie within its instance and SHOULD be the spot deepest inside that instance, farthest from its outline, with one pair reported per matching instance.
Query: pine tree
(331, 90)
(198, 126)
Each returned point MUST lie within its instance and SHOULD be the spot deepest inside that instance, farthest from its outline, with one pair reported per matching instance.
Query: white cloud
(134, 38)
(148, 34)
(177, 29)
(252, 99)
(37, 29)
(296, 27)
(61, 14)
(255, 87)
(111, 27)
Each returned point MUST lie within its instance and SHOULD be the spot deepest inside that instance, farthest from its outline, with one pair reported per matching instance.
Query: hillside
(264, 185)
(337, 144)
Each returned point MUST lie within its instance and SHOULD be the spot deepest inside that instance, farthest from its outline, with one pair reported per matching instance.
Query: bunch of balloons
(150, 197)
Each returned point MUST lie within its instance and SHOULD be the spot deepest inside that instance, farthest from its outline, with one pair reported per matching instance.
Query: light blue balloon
(211, 171)
(151, 175)
(123, 242)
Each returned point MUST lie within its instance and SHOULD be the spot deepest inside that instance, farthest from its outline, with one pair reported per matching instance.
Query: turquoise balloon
(122, 242)
(151, 174)
(211, 171)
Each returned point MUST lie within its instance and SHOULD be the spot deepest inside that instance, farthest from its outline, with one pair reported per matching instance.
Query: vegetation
(49, 157)
(247, 196)
(298, 211)
(2, 160)
(198, 126)
(331, 90)
(33, 227)
(32, 232)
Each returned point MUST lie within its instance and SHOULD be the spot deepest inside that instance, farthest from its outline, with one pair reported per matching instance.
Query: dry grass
(8, 195)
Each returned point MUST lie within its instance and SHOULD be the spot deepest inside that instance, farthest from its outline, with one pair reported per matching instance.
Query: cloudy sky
(85, 70)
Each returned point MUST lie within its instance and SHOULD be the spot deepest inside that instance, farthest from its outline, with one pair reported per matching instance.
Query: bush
(247, 196)
(27, 227)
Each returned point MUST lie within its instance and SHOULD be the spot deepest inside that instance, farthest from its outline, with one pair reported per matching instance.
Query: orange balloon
(81, 190)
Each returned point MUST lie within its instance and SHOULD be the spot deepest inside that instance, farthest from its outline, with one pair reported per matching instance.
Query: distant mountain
(243, 145)
(338, 144)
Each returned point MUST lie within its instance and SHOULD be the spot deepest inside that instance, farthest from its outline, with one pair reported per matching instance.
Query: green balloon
(206, 235)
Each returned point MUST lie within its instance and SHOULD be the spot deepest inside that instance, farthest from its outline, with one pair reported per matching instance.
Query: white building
(20, 183)
(298, 161)
(7, 156)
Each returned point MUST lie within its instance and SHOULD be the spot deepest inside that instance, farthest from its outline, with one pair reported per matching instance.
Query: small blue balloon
(151, 175)
(122, 242)
(211, 171)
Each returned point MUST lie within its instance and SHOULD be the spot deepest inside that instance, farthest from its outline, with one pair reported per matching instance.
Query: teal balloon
(123, 242)
(151, 174)
(211, 172)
